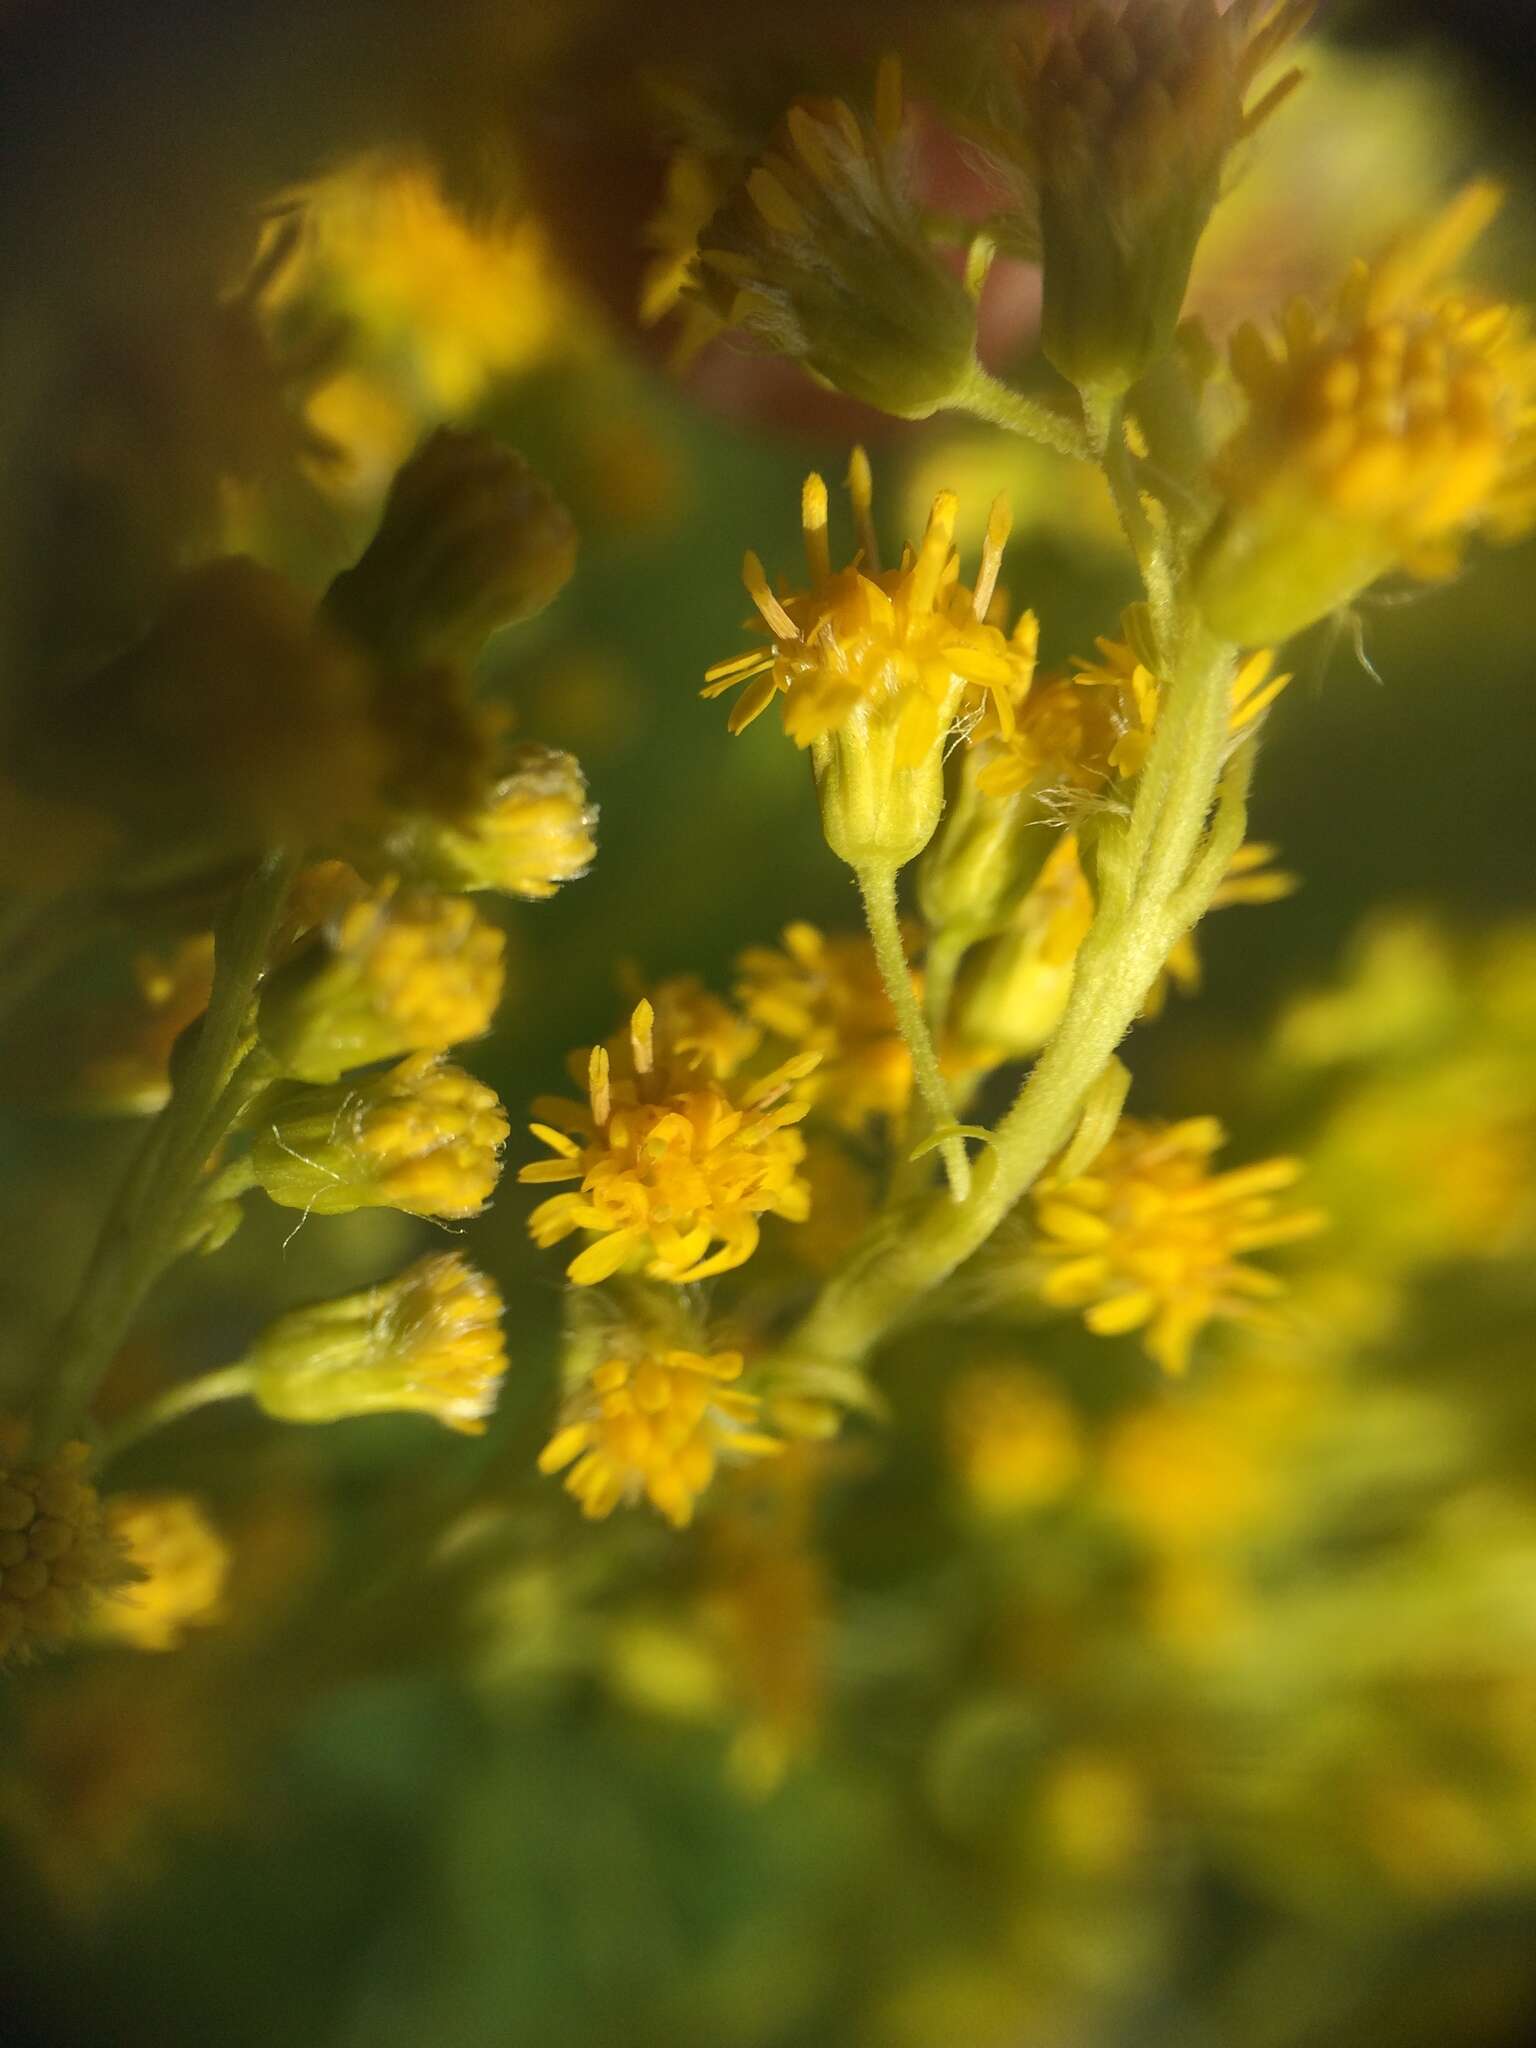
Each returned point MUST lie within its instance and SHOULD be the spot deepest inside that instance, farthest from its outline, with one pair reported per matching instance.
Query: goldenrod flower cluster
(671, 1161)
(58, 1552)
(178, 1565)
(655, 1424)
(1148, 1238)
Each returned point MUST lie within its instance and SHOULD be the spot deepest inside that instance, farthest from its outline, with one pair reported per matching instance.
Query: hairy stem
(143, 1229)
(986, 398)
(1146, 901)
(877, 886)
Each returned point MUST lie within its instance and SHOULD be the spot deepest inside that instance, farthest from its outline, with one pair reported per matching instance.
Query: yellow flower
(133, 1076)
(427, 1342)
(702, 1030)
(57, 1553)
(1126, 671)
(180, 1563)
(670, 1159)
(1124, 117)
(1013, 988)
(424, 1137)
(395, 970)
(654, 1423)
(1148, 1239)
(826, 996)
(1013, 1440)
(874, 666)
(532, 832)
(822, 256)
(1382, 427)
(695, 186)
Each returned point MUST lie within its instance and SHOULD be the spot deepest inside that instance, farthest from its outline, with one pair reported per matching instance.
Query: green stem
(143, 1229)
(1145, 543)
(229, 1383)
(877, 886)
(985, 397)
(1146, 902)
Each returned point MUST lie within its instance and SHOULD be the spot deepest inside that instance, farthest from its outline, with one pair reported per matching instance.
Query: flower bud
(470, 541)
(532, 832)
(821, 255)
(1013, 988)
(424, 1137)
(427, 1342)
(1123, 118)
(398, 970)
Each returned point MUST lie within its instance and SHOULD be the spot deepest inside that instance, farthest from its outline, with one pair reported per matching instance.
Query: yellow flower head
(826, 996)
(862, 646)
(1149, 1239)
(131, 1075)
(1126, 674)
(428, 1342)
(703, 1031)
(57, 1553)
(395, 970)
(655, 1423)
(1123, 118)
(424, 1137)
(873, 667)
(532, 832)
(1012, 1439)
(1381, 429)
(671, 1160)
(822, 256)
(179, 1563)
(1014, 987)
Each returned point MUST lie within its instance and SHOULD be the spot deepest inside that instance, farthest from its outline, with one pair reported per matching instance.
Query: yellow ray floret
(1149, 1239)
(907, 648)
(656, 1424)
(675, 1165)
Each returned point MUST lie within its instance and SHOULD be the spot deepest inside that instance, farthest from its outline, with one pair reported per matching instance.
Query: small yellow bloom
(1012, 1439)
(1148, 1239)
(57, 1552)
(825, 995)
(532, 832)
(1126, 674)
(822, 256)
(671, 1160)
(1123, 119)
(1382, 428)
(395, 970)
(131, 1076)
(702, 1030)
(873, 667)
(179, 1563)
(427, 1342)
(657, 1424)
(424, 1137)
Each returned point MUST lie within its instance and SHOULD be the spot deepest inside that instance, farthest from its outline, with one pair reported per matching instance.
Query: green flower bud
(470, 541)
(392, 971)
(821, 255)
(427, 1342)
(425, 1137)
(532, 832)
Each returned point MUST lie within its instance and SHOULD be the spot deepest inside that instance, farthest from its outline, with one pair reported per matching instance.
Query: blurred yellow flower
(179, 1562)
(1013, 1440)
(825, 995)
(1148, 1239)
(657, 1424)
